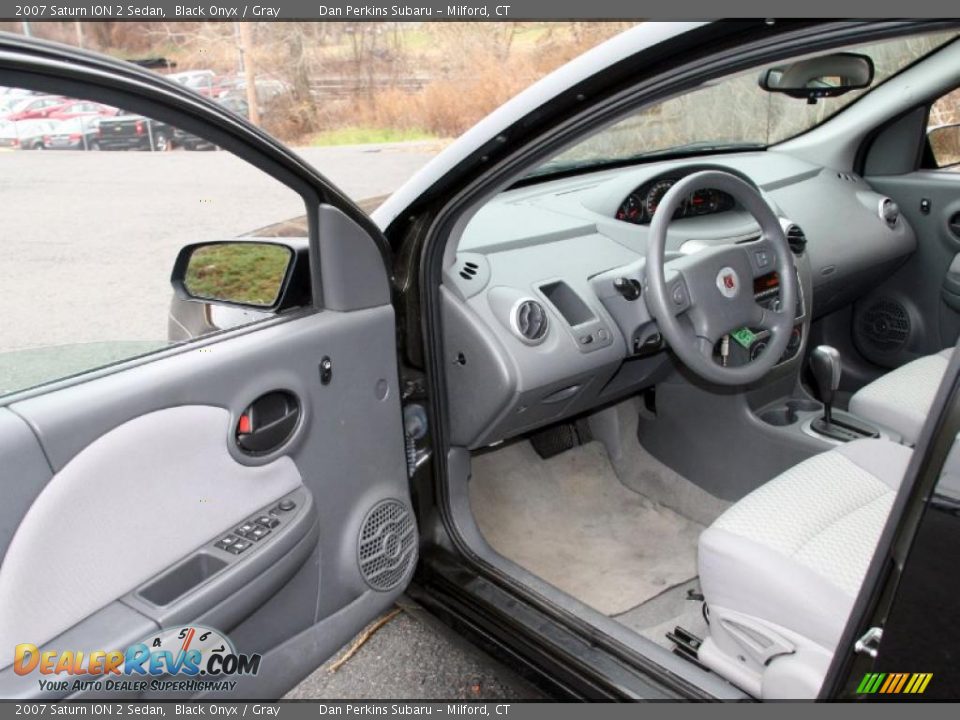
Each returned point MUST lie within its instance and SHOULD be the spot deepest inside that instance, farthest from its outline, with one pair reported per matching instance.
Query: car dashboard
(542, 301)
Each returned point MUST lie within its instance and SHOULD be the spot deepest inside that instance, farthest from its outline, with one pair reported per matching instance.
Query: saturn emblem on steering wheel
(728, 283)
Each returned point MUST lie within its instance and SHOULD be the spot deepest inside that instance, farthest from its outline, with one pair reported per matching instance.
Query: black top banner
(503, 10)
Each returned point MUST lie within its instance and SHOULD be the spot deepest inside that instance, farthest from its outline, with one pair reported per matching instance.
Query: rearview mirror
(824, 76)
(945, 145)
(262, 275)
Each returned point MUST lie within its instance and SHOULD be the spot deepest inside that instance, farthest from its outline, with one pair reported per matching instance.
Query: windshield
(732, 113)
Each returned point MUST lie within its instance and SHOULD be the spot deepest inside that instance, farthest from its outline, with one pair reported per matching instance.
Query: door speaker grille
(884, 325)
(387, 548)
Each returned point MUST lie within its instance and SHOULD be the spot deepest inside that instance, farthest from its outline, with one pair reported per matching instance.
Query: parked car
(78, 133)
(78, 108)
(202, 81)
(24, 134)
(235, 86)
(32, 108)
(134, 132)
(647, 381)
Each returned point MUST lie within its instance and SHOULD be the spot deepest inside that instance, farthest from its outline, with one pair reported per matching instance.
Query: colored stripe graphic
(894, 683)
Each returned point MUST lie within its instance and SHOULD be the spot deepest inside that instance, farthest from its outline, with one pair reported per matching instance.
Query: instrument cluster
(640, 205)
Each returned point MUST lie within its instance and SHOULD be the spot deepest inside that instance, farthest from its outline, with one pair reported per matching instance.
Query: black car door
(133, 513)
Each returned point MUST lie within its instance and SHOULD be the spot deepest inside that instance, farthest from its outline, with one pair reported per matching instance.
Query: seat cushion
(901, 399)
(795, 551)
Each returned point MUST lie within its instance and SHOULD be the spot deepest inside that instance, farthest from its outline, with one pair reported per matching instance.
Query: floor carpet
(571, 521)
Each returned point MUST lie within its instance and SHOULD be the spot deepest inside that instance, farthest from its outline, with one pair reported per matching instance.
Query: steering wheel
(697, 299)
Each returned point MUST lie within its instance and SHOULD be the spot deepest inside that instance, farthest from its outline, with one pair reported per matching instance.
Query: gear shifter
(826, 368)
(825, 365)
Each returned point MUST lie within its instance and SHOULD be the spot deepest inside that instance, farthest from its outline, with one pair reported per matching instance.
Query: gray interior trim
(351, 265)
(22, 458)
(898, 147)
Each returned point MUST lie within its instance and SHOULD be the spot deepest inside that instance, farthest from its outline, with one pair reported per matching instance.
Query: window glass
(96, 205)
(732, 112)
(943, 131)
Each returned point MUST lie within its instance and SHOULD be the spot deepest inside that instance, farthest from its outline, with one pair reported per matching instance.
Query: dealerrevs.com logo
(183, 659)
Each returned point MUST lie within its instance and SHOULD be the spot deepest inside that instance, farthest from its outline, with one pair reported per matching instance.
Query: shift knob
(825, 365)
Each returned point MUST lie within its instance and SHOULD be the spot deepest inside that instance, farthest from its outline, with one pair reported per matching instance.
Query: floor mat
(570, 521)
(660, 615)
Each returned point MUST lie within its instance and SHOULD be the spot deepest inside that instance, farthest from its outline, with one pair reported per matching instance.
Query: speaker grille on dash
(387, 549)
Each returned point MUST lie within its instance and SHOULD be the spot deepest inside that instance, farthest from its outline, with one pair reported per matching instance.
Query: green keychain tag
(744, 336)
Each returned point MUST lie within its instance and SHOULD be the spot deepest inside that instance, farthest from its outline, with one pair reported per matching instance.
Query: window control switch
(247, 528)
(239, 546)
(258, 533)
(225, 543)
(267, 521)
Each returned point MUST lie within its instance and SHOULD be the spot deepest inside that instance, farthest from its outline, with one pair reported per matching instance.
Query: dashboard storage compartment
(567, 302)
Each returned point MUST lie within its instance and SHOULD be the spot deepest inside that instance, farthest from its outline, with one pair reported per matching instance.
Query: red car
(80, 108)
(33, 108)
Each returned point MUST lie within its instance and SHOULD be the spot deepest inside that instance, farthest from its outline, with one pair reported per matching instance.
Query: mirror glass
(245, 273)
(945, 145)
(824, 76)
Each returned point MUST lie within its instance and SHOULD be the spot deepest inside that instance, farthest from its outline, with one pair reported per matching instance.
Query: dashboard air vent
(469, 270)
(530, 321)
(796, 239)
(889, 212)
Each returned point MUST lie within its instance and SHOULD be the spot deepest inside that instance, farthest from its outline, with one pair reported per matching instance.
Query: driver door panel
(144, 478)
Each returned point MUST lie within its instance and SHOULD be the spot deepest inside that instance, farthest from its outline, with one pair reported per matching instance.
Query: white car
(25, 134)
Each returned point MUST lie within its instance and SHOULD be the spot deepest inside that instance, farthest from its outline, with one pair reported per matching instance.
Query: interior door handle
(268, 422)
(954, 224)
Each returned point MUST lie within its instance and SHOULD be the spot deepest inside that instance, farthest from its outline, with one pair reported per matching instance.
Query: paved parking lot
(90, 238)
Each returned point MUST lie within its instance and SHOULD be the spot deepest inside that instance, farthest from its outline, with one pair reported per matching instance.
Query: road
(89, 240)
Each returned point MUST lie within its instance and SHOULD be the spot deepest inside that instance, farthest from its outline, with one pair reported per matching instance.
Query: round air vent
(883, 325)
(796, 239)
(387, 548)
(889, 212)
(530, 321)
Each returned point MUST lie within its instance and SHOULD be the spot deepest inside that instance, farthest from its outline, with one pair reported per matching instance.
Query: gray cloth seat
(781, 568)
(901, 399)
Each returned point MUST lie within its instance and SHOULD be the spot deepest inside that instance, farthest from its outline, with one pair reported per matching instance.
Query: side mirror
(824, 76)
(266, 276)
(944, 144)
